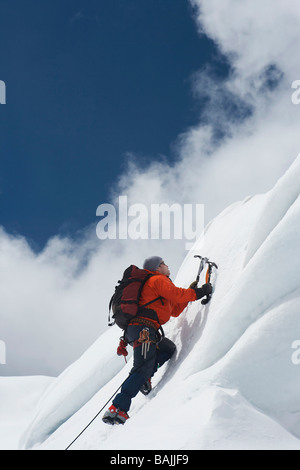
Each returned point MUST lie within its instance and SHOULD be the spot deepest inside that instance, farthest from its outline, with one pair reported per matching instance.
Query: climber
(150, 348)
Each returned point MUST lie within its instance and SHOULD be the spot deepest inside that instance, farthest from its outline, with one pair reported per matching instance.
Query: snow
(18, 397)
(233, 383)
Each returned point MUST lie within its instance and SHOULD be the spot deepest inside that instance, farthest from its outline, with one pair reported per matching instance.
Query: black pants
(144, 366)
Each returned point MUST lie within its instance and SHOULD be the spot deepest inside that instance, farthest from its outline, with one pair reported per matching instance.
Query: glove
(193, 285)
(121, 350)
(206, 289)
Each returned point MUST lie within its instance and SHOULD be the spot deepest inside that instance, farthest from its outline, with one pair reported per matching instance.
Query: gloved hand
(121, 350)
(203, 290)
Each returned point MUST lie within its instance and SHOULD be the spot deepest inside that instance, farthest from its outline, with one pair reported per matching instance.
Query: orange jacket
(174, 301)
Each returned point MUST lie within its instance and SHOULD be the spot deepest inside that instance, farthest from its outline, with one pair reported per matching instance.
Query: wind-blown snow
(233, 383)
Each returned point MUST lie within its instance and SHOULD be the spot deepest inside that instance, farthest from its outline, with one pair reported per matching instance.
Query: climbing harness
(145, 340)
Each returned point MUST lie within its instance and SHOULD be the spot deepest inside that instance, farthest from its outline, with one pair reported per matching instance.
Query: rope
(81, 432)
(145, 340)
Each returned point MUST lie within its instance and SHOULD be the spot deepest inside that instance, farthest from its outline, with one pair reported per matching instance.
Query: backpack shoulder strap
(154, 300)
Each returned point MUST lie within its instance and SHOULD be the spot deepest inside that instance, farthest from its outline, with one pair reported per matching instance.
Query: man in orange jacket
(160, 299)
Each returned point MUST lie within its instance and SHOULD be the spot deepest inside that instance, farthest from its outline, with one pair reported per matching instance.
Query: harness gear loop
(145, 340)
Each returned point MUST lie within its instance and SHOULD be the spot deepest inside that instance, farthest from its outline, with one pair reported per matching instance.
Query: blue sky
(87, 83)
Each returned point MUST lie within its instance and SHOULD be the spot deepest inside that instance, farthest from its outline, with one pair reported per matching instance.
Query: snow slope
(18, 398)
(233, 383)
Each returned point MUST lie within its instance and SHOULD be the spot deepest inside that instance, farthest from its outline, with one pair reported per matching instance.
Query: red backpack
(125, 301)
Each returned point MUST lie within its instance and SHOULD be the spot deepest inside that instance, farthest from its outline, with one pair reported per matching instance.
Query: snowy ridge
(18, 397)
(232, 384)
(260, 285)
(278, 202)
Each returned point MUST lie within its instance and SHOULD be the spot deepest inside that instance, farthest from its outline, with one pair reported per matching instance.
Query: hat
(152, 263)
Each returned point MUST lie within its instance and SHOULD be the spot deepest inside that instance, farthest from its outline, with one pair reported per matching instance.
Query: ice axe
(202, 263)
(207, 279)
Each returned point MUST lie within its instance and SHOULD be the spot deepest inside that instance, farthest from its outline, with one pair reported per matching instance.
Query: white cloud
(253, 33)
(251, 107)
